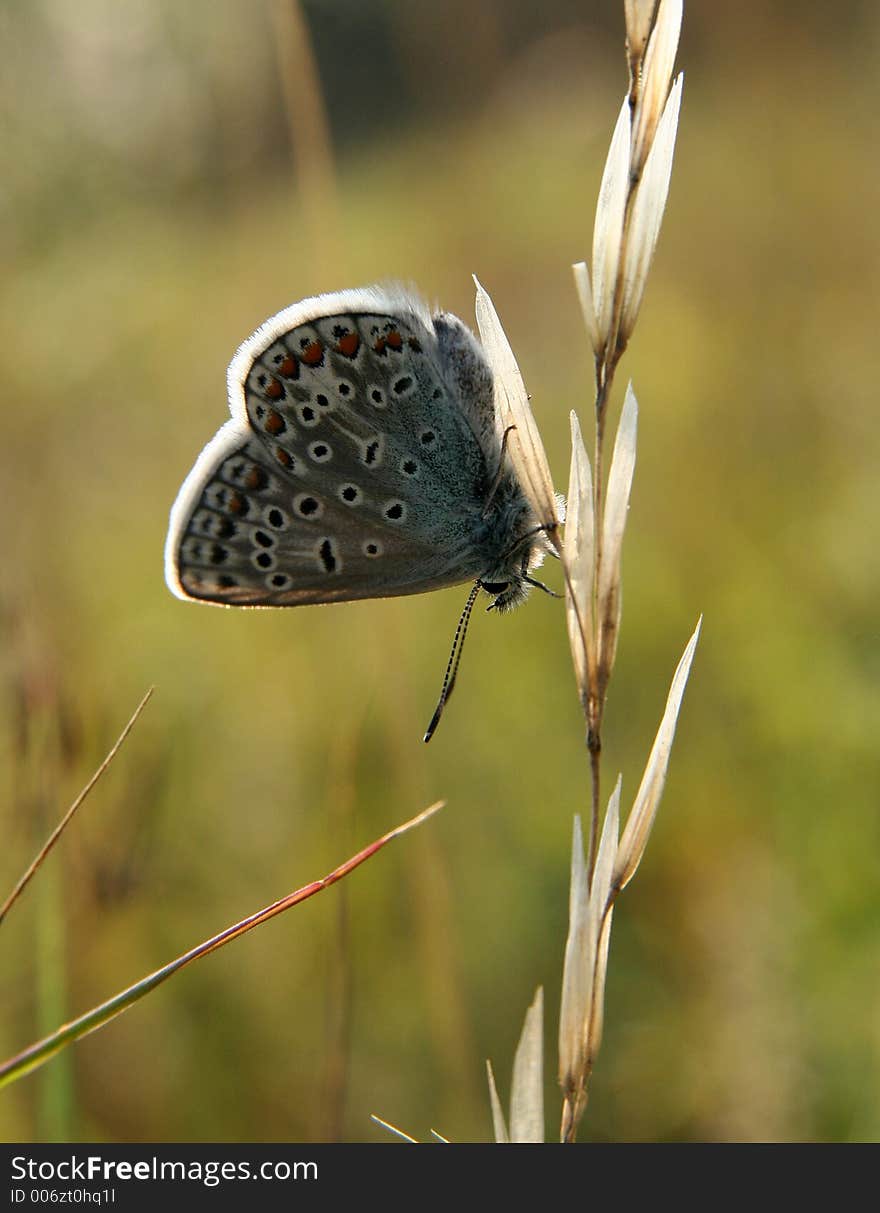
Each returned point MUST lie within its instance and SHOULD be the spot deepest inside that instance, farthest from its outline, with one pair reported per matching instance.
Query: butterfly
(364, 459)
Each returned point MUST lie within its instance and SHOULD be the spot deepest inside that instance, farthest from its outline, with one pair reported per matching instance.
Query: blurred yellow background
(166, 187)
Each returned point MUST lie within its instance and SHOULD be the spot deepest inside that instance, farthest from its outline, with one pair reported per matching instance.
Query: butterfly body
(364, 459)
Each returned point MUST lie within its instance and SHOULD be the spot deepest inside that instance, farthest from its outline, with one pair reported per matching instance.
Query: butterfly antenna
(454, 659)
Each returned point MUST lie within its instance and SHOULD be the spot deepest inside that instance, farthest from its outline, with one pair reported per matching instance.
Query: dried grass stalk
(632, 198)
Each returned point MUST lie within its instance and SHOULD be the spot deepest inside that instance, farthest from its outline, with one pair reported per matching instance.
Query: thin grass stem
(68, 816)
(37, 1054)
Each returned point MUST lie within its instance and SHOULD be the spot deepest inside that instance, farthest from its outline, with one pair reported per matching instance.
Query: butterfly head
(506, 594)
(510, 583)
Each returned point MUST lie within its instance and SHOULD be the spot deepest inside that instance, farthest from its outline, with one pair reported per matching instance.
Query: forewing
(348, 471)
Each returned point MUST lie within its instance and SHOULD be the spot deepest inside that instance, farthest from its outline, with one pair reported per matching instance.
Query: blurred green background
(166, 185)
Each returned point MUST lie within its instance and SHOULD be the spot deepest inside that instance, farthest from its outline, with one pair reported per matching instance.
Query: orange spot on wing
(313, 354)
(235, 504)
(379, 345)
(289, 368)
(274, 390)
(274, 422)
(394, 339)
(256, 478)
(348, 344)
(282, 456)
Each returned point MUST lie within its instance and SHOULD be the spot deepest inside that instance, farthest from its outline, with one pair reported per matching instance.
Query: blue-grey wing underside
(357, 467)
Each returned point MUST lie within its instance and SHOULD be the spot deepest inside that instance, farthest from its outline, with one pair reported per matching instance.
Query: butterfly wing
(354, 465)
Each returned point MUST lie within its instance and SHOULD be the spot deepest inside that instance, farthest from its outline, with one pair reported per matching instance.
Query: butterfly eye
(495, 587)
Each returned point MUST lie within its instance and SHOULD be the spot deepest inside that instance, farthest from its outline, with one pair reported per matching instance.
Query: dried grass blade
(638, 14)
(588, 307)
(577, 973)
(392, 1129)
(600, 918)
(647, 213)
(608, 228)
(657, 72)
(578, 553)
(597, 1013)
(499, 1124)
(25, 879)
(606, 856)
(512, 406)
(620, 478)
(644, 810)
(36, 1054)
(527, 1088)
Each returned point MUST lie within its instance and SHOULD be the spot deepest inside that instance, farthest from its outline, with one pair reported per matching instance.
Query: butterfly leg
(499, 475)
